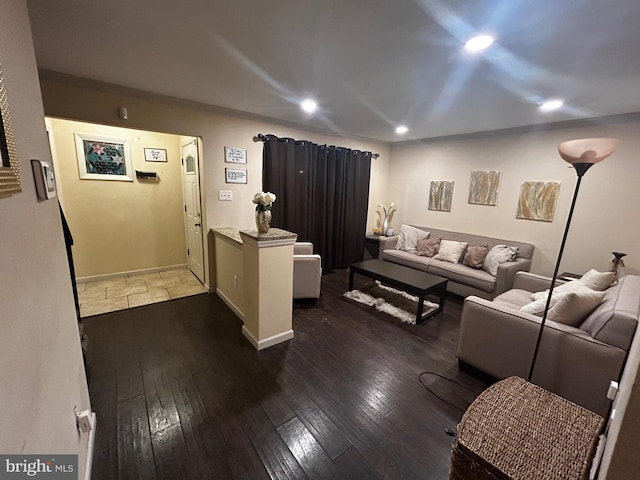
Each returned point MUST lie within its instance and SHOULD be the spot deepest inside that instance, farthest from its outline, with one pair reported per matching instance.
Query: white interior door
(192, 209)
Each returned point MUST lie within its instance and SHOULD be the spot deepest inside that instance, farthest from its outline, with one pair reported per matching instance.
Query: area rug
(396, 303)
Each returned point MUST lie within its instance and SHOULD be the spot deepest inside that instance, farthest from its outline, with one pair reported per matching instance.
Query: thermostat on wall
(44, 178)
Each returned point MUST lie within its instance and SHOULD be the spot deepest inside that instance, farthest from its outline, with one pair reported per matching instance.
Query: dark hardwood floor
(180, 394)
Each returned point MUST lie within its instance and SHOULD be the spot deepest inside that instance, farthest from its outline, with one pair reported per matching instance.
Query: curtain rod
(263, 138)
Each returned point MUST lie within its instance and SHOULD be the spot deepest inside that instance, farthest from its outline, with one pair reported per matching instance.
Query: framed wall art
(483, 187)
(235, 155)
(441, 195)
(9, 171)
(155, 155)
(103, 158)
(538, 201)
(235, 175)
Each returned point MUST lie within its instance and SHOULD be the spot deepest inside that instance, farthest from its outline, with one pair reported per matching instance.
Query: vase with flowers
(386, 215)
(264, 202)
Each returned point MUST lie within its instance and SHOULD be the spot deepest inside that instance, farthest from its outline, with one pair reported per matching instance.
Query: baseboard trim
(92, 439)
(267, 342)
(109, 276)
(230, 304)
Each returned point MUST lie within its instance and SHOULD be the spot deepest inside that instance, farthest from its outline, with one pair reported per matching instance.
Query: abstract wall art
(103, 158)
(538, 201)
(483, 187)
(441, 195)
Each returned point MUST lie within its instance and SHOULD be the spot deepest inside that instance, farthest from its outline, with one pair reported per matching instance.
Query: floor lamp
(582, 154)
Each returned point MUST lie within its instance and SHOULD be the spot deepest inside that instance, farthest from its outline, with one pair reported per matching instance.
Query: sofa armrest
(500, 341)
(507, 273)
(307, 276)
(387, 243)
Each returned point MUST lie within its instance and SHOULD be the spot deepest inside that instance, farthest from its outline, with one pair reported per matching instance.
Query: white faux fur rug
(396, 303)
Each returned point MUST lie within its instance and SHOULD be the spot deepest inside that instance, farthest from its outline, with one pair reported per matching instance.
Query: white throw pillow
(498, 255)
(537, 306)
(450, 251)
(410, 237)
(573, 307)
(597, 280)
(574, 286)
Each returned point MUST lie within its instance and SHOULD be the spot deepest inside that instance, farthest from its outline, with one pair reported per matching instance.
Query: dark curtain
(322, 195)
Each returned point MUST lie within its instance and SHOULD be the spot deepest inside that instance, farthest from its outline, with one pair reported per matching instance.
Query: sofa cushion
(450, 251)
(498, 255)
(459, 273)
(572, 308)
(407, 259)
(514, 298)
(428, 247)
(597, 280)
(475, 255)
(614, 321)
(408, 238)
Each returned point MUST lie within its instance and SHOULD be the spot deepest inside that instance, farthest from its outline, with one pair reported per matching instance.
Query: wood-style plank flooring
(180, 394)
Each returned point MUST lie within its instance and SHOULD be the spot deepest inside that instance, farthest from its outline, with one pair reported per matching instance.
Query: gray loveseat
(463, 280)
(577, 363)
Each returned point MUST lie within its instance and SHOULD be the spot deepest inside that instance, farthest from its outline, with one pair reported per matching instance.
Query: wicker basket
(517, 430)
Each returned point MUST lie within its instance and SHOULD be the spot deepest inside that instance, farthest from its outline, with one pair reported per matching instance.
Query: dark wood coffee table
(403, 278)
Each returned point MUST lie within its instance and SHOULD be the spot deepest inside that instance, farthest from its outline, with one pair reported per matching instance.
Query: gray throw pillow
(428, 247)
(475, 255)
(498, 255)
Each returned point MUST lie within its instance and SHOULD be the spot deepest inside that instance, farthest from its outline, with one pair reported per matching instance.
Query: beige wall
(41, 375)
(67, 98)
(604, 219)
(118, 226)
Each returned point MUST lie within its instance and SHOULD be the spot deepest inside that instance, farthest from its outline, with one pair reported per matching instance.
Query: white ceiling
(371, 64)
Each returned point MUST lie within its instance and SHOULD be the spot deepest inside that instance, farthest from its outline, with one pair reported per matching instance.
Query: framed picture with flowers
(103, 158)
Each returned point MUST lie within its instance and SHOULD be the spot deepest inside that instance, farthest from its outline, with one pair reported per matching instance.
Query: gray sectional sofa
(463, 280)
(577, 363)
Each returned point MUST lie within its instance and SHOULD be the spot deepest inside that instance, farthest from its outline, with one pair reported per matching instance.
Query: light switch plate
(225, 195)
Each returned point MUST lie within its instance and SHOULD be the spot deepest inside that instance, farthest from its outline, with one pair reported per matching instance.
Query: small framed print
(235, 175)
(235, 155)
(155, 155)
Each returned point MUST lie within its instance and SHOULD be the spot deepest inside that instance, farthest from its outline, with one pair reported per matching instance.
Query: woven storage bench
(517, 430)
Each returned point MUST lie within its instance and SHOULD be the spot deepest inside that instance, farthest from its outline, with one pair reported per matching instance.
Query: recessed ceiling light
(551, 105)
(309, 105)
(478, 43)
(401, 130)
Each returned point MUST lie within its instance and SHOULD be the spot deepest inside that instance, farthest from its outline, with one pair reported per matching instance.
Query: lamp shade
(587, 150)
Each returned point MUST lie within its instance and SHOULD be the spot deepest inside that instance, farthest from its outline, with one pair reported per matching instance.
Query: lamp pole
(581, 169)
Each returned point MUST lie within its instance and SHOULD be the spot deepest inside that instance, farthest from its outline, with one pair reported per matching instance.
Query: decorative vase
(263, 220)
(385, 225)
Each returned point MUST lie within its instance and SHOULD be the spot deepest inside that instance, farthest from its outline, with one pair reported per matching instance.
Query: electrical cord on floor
(448, 431)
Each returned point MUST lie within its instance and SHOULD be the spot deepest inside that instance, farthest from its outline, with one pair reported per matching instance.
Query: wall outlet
(225, 195)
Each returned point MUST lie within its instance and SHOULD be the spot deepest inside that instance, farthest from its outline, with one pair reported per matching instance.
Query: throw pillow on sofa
(475, 255)
(428, 247)
(573, 307)
(498, 255)
(574, 286)
(597, 280)
(537, 306)
(408, 238)
(450, 251)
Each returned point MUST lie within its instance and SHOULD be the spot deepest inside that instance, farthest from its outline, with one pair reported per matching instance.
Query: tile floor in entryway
(104, 296)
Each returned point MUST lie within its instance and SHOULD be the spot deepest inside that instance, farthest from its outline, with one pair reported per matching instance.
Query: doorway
(130, 235)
